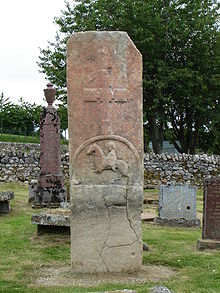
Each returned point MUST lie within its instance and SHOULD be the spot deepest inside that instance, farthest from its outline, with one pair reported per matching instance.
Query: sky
(25, 25)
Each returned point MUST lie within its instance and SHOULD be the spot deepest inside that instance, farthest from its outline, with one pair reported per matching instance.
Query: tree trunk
(156, 134)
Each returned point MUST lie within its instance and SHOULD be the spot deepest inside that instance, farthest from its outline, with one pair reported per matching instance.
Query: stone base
(46, 197)
(4, 201)
(178, 222)
(120, 291)
(106, 229)
(4, 207)
(50, 180)
(52, 221)
(6, 195)
(44, 229)
(208, 244)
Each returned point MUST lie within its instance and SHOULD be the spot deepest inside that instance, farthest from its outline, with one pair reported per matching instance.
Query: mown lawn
(23, 253)
(4, 137)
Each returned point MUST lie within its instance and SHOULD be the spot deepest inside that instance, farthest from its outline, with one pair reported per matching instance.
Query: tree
(176, 39)
(22, 118)
(62, 111)
(4, 104)
(193, 75)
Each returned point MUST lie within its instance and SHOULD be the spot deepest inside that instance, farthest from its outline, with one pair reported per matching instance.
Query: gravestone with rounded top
(104, 82)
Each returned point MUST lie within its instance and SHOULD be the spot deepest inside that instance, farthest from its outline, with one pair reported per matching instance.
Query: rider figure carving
(111, 158)
(109, 161)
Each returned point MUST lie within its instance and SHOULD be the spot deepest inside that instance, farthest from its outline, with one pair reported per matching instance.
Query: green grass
(23, 139)
(200, 200)
(23, 254)
(19, 138)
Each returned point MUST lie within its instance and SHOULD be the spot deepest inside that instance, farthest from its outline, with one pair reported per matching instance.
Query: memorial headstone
(49, 190)
(177, 205)
(211, 215)
(104, 82)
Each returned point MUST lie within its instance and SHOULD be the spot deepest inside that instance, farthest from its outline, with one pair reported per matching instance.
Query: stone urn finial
(49, 94)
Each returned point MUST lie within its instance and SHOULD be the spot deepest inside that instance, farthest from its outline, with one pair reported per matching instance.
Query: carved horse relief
(109, 161)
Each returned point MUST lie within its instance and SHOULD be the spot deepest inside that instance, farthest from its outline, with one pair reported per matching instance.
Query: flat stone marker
(118, 291)
(5, 197)
(104, 82)
(177, 205)
(52, 221)
(211, 215)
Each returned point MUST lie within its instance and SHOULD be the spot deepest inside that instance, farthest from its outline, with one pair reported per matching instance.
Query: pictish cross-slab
(104, 82)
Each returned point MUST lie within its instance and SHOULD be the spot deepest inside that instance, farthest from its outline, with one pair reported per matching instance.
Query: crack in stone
(108, 233)
(129, 220)
(121, 245)
(100, 255)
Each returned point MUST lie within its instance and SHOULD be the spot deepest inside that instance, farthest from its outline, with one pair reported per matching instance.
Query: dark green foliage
(179, 44)
(62, 111)
(21, 119)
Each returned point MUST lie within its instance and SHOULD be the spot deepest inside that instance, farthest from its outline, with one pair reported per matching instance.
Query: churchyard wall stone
(21, 162)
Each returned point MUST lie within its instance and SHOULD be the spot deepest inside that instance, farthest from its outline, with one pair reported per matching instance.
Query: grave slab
(203, 244)
(104, 81)
(177, 206)
(52, 221)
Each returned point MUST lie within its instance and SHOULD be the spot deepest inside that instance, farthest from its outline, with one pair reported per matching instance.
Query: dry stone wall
(181, 168)
(21, 162)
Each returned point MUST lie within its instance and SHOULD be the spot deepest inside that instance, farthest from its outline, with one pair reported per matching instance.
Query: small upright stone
(159, 289)
(5, 196)
(49, 191)
(104, 78)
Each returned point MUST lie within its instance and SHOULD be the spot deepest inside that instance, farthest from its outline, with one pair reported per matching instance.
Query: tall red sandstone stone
(211, 215)
(104, 80)
(49, 191)
(211, 209)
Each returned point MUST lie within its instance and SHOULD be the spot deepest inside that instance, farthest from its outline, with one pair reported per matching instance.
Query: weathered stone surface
(104, 77)
(54, 217)
(52, 221)
(159, 289)
(4, 207)
(119, 291)
(208, 244)
(32, 187)
(177, 202)
(49, 191)
(211, 209)
(159, 168)
(6, 195)
(182, 168)
(50, 174)
(48, 196)
(178, 222)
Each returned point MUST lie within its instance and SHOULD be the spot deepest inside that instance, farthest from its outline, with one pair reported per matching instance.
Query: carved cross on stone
(102, 88)
(115, 95)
